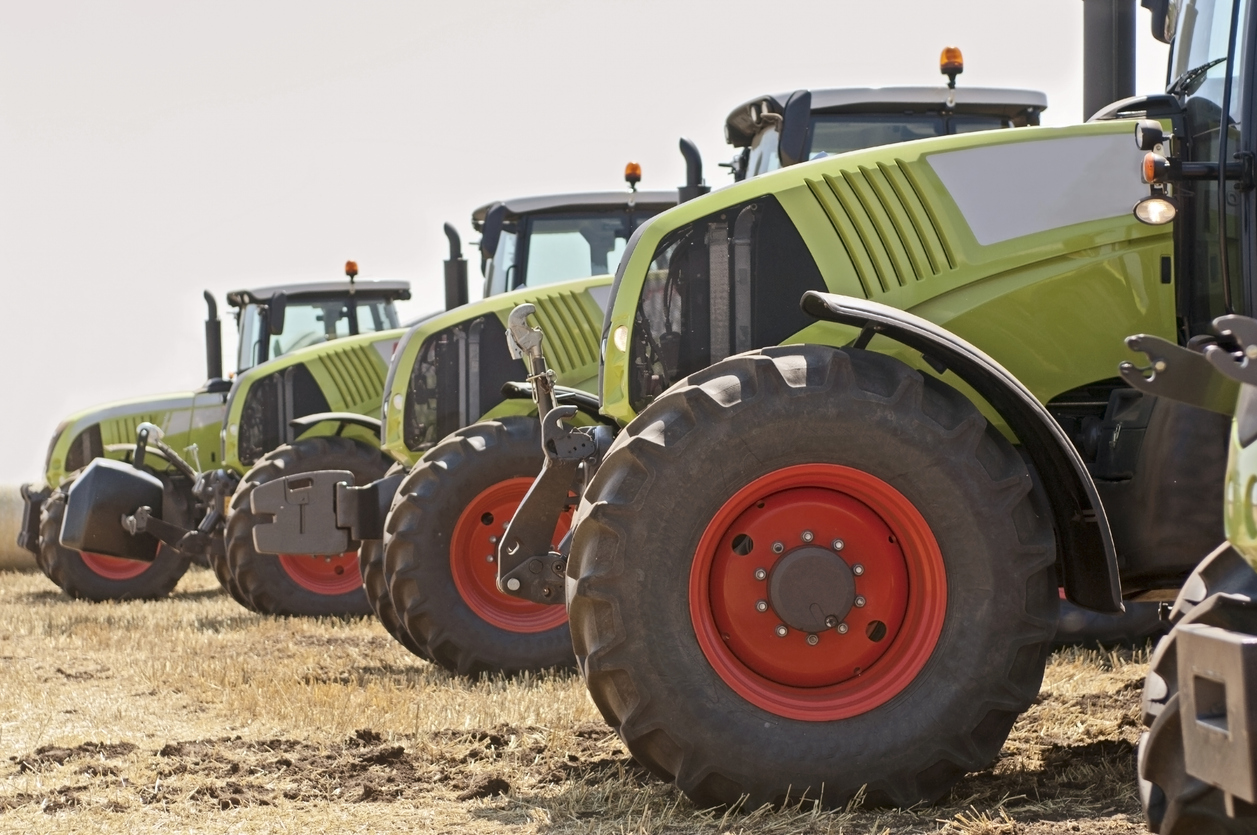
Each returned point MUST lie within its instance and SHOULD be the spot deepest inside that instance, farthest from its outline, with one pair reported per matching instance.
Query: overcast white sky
(150, 150)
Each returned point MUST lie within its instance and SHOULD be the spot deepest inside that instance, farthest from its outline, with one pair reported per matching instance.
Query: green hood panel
(1020, 241)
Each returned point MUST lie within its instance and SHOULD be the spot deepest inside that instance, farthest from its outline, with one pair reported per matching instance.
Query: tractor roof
(1021, 106)
(369, 288)
(555, 203)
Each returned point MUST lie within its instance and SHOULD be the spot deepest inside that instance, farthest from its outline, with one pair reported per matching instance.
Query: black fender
(306, 422)
(1087, 556)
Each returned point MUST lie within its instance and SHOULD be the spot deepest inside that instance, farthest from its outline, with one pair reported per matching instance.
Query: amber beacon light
(951, 64)
(633, 175)
(351, 268)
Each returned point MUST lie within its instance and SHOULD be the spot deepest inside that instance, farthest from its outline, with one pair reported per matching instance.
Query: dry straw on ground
(193, 715)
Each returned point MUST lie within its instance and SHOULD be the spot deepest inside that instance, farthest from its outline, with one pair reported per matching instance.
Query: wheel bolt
(493, 540)
(782, 631)
(807, 536)
(489, 558)
(761, 606)
(513, 584)
(812, 640)
(859, 600)
(842, 628)
(778, 547)
(857, 569)
(831, 621)
(760, 574)
(839, 545)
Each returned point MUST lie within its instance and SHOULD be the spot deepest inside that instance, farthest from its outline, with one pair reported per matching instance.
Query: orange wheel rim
(115, 568)
(761, 560)
(473, 560)
(327, 575)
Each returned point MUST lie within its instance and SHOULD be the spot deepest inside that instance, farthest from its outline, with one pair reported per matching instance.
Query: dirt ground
(191, 715)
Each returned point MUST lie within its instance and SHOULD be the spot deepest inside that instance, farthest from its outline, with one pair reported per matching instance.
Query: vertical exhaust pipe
(1108, 53)
(694, 185)
(455, 271)
(213, 340)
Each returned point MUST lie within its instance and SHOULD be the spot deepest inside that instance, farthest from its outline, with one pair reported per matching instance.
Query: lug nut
(807, 536)
(842, 628)
(513, 584)
(857, 569)
(760, 574)
(493, 540)
(782, 631)
(761, 606)
(859, 600)
(839, 545)
(778, 547)
(489, 558)
(812, 640)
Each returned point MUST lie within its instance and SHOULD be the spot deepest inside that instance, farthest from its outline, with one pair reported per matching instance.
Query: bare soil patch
(192, 715)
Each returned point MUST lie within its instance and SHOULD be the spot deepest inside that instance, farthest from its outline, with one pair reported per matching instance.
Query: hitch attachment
(528, 566)
(1188, 375)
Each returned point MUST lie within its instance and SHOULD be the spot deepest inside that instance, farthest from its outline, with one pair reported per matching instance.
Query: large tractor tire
(87, 576)
(1175, 803)
(375, 583)
(805, 570)
(440, 551)
(298, 584)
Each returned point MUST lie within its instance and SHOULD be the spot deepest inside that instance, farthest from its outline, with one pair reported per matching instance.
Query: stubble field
(194, 715)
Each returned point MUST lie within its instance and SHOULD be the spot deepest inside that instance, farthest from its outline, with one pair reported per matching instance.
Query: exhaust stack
(213, 340)
(455, 271)
(1108, 53)
(694, 185)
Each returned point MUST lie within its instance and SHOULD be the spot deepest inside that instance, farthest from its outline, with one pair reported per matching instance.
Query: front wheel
(440, 543)
(297, 584)
(806, 570)
(88, 576)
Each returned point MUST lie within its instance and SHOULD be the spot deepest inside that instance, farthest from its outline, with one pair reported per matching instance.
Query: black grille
(457, 377)
(270, 404)
(726, 283)
(86, 447)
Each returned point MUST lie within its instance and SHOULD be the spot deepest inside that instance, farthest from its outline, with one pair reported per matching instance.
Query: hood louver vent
(571, 333)
(890, 235)
(356, 373)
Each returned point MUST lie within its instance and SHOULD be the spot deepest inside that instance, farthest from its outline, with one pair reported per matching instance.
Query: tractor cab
(273, 321)
(534, 241)
(775, 131)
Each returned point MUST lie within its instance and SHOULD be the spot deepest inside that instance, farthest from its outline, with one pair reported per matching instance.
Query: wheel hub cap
(811, 589)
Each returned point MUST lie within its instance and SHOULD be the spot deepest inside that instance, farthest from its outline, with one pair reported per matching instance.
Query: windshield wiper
(1190, 81)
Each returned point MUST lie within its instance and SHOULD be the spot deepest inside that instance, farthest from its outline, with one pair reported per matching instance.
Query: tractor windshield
(839, 133)
(309, 322)
(546, 248)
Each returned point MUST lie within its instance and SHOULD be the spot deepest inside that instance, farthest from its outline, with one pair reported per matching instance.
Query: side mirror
(1160, 18)
(494, 220)
(275, 313)
(796, 118)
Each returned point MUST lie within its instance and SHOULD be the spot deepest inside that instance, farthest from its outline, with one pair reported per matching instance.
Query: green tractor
(316, 408)
(832, 564)
(272, 321)
(433, 580)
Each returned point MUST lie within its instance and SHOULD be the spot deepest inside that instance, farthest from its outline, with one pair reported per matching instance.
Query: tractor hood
(186, 418)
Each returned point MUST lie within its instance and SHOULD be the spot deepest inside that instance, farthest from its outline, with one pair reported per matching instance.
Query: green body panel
(1052, 306)
(187, 418)
(1241, 502)
(349, 372)
(569, 315)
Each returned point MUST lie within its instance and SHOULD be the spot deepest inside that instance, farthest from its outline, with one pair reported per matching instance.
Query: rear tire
(86, 576)
(440, 560)
(791, 451)
(297, 584)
